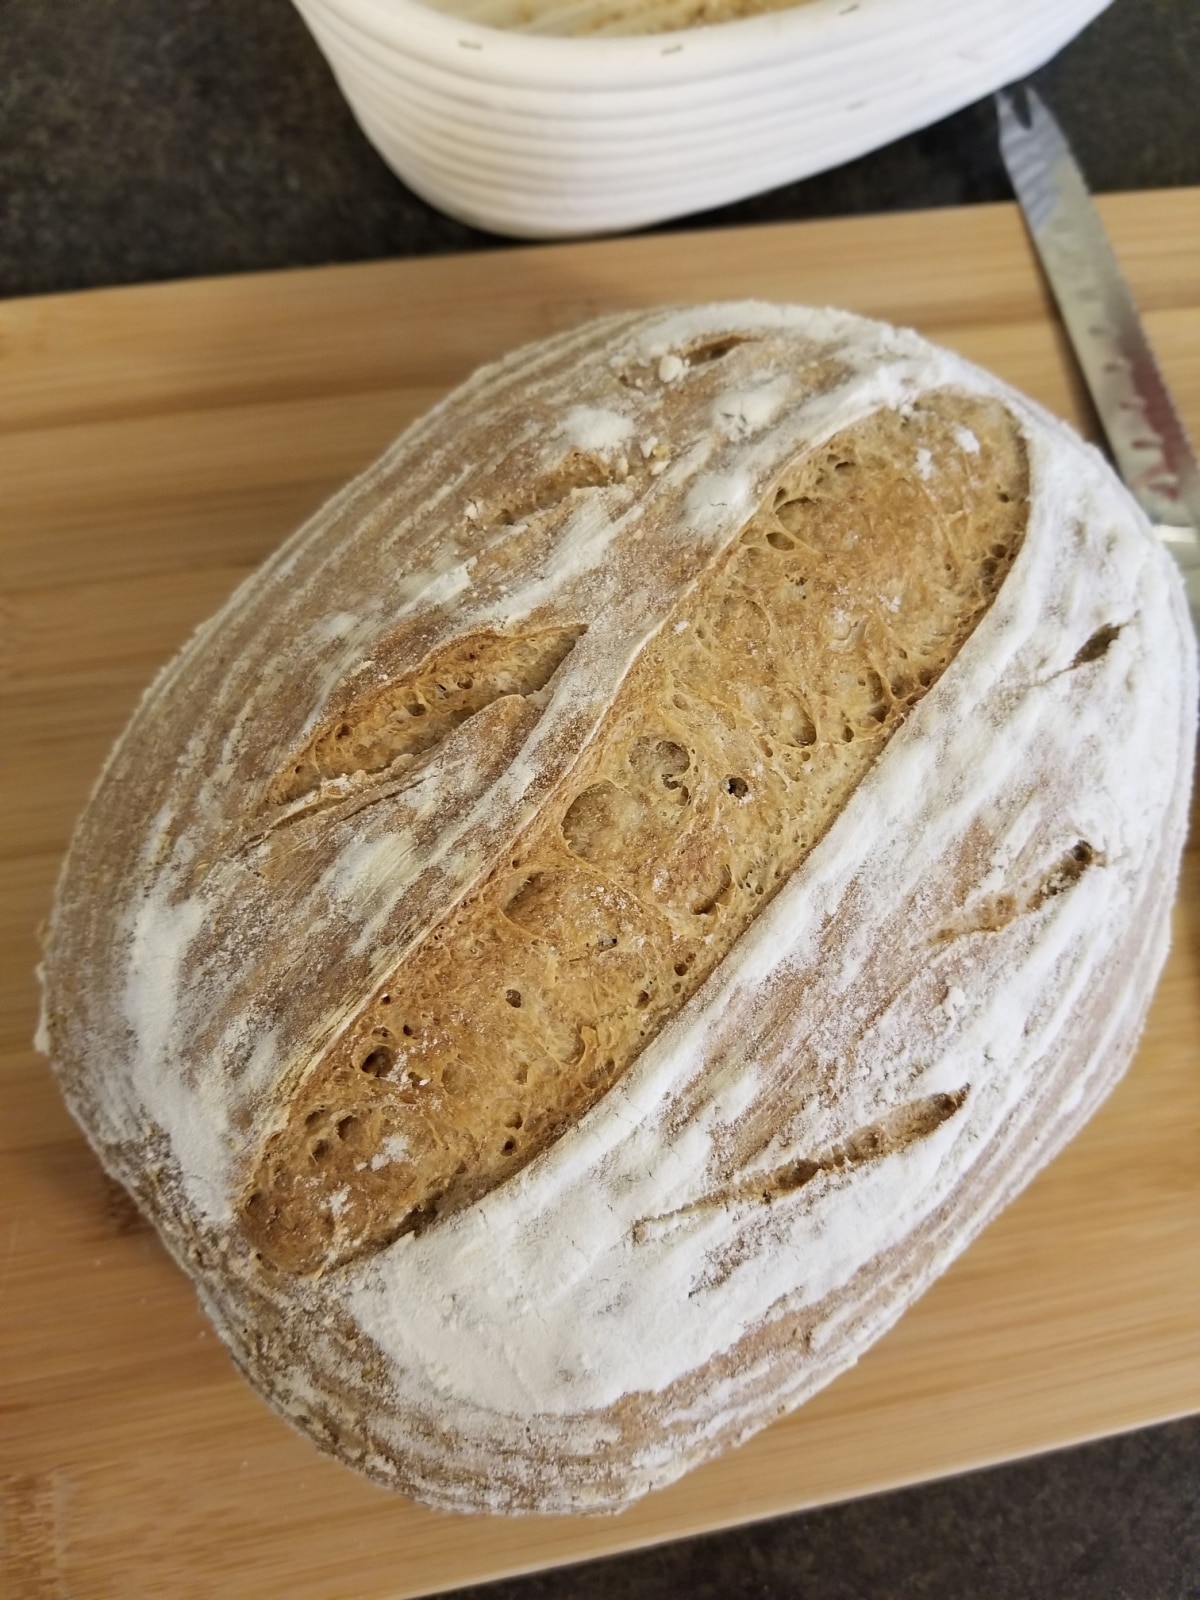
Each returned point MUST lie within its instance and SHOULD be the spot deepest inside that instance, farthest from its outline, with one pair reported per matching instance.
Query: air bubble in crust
(379, 1062)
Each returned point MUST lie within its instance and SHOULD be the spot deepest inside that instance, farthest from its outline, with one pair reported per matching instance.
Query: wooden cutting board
(155, 443)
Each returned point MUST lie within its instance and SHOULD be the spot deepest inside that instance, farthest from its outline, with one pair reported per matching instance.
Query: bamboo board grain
(155, 443)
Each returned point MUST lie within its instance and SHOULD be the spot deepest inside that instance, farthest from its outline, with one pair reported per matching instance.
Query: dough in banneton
(605, 915)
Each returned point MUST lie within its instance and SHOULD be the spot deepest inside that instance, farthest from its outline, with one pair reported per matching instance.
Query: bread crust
(931, 1004)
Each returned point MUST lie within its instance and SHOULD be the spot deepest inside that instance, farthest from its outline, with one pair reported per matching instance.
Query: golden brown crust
(729, 749)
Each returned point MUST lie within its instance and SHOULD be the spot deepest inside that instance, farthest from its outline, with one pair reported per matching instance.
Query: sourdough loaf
(610, 910)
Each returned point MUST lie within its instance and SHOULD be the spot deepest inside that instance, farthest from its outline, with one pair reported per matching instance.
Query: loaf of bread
(609, 911)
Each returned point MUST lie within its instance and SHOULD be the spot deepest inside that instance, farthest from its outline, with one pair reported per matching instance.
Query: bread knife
(1147, 439)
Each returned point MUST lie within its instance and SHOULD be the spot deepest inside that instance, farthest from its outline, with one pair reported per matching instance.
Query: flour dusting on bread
(609, 912)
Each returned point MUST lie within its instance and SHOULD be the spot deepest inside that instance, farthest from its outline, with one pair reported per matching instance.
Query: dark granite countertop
(144, 141)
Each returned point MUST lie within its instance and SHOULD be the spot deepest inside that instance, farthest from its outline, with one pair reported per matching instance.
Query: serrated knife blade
(1147, 439)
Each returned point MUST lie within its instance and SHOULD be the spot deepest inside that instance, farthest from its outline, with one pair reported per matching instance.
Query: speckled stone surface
(143, 140)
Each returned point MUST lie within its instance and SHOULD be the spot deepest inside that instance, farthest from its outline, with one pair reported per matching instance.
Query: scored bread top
(728, 750)
(603, 917)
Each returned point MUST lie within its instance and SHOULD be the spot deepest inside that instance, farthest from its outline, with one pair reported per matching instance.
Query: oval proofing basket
(545, 137)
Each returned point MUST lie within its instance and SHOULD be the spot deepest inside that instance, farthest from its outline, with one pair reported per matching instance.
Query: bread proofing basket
(541, 136)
